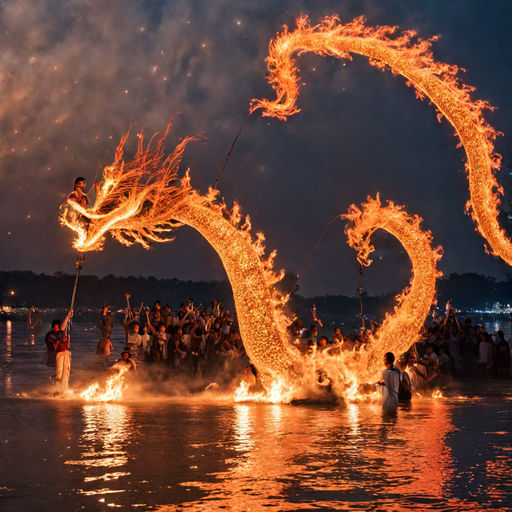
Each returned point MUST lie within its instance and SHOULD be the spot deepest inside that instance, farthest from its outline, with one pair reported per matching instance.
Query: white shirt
(134, 339)
(146, 346)
(391, 379)
(162, 339)
(484, 352)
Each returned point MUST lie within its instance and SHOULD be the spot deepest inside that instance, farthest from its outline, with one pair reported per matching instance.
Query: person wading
(58, 353)
(390, 382)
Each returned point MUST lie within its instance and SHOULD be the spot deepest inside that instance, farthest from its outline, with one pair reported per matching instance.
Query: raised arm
(129, 308)
(315, 317)
(182, 321)
(447, 314)
(150, 325)
(66, 320)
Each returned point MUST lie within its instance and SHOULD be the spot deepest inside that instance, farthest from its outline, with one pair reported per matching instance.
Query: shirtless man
(78, 195)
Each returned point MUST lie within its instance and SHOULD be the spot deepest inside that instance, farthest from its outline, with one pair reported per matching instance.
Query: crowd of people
(447, 349)
(204, 341)
(193, 340)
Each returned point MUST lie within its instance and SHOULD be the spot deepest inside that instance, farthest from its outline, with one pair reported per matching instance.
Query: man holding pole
(57, 343)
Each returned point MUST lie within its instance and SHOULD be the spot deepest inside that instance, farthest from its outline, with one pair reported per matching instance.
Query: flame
(277, 392)
(400, 329)
(112, 392)
(343, 372)
(132, 200)
(437, 394)
(138, 206)
(144, 200)
(411, 57)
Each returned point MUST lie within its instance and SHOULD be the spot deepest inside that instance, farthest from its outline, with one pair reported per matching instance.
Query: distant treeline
(19, 288)
(42, 290)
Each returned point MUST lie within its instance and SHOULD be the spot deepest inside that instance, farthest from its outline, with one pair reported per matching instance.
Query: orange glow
(400, 329)
(133, 199)
(411, 57)
(112, 392)
(343, 371)
(279, 391)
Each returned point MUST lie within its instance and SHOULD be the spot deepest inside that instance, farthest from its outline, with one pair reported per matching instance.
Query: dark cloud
(75, 75)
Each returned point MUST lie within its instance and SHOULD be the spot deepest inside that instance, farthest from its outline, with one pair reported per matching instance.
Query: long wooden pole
(79, 263)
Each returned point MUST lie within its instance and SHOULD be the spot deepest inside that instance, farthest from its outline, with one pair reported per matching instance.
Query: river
(196, 453)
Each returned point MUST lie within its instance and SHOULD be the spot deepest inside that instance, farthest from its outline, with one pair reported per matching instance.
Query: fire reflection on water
(8, 355)
(258, 469)
(450, 453)
(8, 341)
(403, 461)
(106, 433)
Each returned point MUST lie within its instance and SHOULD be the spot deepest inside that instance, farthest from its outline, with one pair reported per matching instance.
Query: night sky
(75, 75)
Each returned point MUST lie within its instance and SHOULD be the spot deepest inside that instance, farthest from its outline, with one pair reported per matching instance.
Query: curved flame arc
(412, 58)
(346, 370)
(400, 329)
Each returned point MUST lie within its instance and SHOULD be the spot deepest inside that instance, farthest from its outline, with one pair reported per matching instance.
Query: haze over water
(202, 454)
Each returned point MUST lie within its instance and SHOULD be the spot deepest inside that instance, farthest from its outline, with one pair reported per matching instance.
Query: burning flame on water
(278, 392)
(111, 392)
(411, 57)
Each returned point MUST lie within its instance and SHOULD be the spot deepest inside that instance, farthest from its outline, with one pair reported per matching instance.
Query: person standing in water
(106, 322)
(390, 382)
(126, 361)
(34, 319)
(58, 353)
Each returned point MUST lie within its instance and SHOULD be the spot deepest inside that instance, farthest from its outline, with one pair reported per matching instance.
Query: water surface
(197, 454)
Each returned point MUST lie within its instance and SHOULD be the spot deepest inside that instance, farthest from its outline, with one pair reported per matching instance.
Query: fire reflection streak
(107, 430)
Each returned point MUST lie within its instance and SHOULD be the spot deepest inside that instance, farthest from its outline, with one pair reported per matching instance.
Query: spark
(407, 55)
